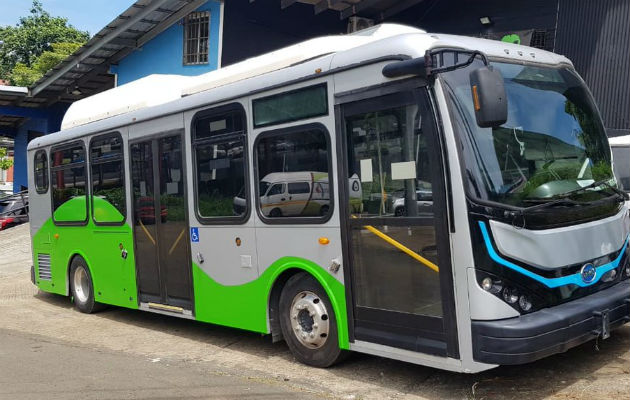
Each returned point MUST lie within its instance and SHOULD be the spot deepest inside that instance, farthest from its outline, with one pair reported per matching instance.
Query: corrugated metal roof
(599, 50)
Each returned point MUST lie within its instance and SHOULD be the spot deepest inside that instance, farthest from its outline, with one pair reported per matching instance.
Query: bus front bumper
(553, 330)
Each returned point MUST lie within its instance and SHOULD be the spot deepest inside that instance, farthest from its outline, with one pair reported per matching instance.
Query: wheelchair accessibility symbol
(194, 235)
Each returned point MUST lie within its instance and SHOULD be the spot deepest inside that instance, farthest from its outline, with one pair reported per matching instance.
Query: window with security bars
(196, 35)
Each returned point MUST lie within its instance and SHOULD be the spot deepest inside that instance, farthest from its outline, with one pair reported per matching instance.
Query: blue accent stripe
(575, 279)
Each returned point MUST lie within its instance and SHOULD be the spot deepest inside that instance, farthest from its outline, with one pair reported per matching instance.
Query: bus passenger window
(41, 172)
(219, 147)
(108, 189)
(297, 159)
(68, 184)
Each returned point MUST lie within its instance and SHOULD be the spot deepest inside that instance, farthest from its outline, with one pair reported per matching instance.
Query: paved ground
(49, 350)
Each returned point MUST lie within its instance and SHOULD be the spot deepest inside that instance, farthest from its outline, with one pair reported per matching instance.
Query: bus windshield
(552, 143)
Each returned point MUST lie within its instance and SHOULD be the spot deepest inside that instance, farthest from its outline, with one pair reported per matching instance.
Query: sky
(85, 15)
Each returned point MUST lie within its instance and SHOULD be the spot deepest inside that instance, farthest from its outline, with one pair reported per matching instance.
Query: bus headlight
(609, 276)
(524, 303)
(493, 286)
(627, 271)
(514, 295)
(510, 295)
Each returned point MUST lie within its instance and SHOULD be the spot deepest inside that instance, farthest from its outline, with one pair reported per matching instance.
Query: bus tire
(308, 322)
(81, 287)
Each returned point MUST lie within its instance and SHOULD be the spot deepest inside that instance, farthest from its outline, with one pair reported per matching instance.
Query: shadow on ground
(544, 378)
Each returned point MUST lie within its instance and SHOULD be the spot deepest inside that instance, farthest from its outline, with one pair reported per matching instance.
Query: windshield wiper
(564, 198)
(604, 182)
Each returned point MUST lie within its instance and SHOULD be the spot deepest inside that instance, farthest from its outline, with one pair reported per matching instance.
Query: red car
(13, 210)
(145, 211)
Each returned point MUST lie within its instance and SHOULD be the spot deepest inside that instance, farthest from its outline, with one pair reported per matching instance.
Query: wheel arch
(288, 267)
(74, 254)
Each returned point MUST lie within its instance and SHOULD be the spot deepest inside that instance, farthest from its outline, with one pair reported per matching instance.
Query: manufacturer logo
(588, 273)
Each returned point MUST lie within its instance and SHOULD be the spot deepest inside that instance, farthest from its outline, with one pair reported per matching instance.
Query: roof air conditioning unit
(359, 23)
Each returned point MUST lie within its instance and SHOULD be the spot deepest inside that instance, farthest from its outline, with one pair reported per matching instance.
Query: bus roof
(159, 95)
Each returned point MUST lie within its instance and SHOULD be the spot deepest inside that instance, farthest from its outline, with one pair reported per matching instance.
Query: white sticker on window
(404, 170)
(219, 125)
(143, 188)
(366, 170)
(172, 188)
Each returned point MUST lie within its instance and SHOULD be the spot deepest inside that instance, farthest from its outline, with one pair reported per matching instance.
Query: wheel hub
(81, 285)
(309, 319)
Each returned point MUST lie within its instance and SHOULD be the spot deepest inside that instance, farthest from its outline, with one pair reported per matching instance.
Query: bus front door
(162, 252)
(397, 258)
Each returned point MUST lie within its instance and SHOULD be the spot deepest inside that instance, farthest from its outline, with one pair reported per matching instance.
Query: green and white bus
(442, 200)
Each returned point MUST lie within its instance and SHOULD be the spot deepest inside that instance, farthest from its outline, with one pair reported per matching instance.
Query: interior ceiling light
(77, 91)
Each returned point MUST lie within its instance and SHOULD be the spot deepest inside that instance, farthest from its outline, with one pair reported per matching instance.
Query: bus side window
(220, 154)
(41, 172)
(295, 164)
(68, 170)
(107, 173)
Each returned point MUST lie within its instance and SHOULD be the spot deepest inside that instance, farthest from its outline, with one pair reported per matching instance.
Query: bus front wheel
(81, 287)
(308, 322)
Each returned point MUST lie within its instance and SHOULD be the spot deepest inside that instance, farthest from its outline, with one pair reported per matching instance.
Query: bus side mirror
(489, 97)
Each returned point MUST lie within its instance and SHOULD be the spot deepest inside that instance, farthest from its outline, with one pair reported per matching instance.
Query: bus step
(167, 310)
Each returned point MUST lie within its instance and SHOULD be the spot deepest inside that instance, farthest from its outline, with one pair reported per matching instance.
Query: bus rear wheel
(81, 287)
(308, 322)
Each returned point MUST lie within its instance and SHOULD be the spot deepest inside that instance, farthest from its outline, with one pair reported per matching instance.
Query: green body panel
(74, 209)
(245, 306)
(104, 211)
(114, 278)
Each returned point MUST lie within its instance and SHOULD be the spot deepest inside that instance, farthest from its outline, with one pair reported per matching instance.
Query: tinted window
(68, 184)
(224, 123)
(219, 148)
(299, 187)
(291, 106)
(276, 189)
(299, 157)
(108, 189)
(41, 172)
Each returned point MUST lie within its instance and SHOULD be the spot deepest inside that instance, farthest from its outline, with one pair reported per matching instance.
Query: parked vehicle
(13, 209)
(620, 147)
(292, 194)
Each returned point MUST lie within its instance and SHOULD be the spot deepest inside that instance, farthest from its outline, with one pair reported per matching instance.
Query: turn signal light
(324, 240)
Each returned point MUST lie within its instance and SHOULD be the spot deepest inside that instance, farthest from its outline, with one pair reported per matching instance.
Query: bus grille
(43, 266)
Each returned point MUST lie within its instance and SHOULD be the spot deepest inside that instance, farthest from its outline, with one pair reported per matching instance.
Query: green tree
(23, 44)
(5, 163)
(23, 75)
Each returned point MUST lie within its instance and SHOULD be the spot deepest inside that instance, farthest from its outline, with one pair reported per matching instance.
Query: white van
(291, 194)
(620, 147)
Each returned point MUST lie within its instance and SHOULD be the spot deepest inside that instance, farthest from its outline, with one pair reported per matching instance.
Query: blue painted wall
(39, 120)
(163, 54)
